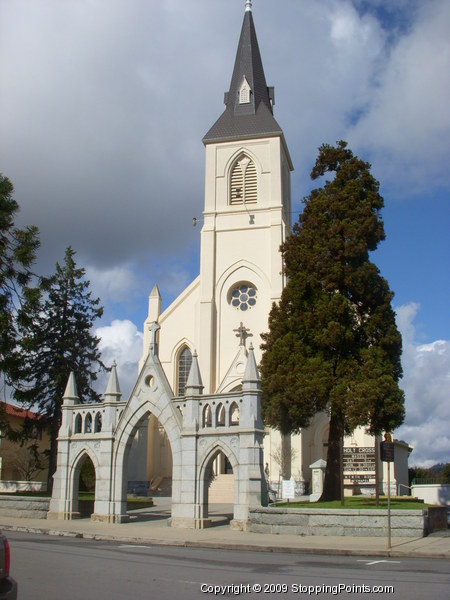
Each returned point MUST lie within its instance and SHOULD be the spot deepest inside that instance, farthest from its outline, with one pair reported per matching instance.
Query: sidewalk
(150, 526)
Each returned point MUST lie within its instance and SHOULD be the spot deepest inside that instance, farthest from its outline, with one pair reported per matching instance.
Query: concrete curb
(228, 545)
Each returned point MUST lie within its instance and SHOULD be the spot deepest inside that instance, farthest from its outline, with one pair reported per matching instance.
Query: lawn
(360, 502)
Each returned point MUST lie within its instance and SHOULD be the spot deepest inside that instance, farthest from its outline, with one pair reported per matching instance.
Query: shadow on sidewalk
(160, 513)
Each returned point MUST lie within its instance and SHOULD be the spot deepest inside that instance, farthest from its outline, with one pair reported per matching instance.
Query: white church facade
(201, 352)
(247, 216)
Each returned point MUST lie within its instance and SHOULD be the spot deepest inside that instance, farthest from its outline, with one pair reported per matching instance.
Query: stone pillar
(317, 478)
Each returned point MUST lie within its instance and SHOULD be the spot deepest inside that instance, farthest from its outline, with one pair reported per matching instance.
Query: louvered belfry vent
(244, 181)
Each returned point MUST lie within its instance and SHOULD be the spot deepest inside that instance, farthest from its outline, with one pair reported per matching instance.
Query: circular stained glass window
(243, 297)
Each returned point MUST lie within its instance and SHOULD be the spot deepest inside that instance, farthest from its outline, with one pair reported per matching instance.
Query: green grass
(360, 502)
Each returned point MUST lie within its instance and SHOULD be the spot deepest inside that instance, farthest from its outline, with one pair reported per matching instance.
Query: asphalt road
(62, 568)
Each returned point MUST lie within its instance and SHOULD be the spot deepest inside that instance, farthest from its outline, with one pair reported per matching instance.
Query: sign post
(387, 455)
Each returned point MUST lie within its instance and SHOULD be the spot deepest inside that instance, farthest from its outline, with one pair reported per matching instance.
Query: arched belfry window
(184, 366)
(244, 181)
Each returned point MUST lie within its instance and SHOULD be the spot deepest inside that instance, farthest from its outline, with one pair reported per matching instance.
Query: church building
(247, 216)
(192, 426)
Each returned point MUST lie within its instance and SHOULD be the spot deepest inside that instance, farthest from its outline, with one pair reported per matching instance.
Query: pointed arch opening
(220, 415)
(78, 426)
(234, 414)
(84, 487)
(147, 456)
(98, 423)
(149, 460)
(88, 423)
(207, 416)
(218, 484)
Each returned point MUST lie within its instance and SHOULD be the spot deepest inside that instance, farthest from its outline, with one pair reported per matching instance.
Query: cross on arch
(242, 333)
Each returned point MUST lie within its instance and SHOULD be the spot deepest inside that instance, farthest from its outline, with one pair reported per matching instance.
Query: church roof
(253, 116)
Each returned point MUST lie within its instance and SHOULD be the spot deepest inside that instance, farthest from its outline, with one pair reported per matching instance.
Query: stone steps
(221, 490)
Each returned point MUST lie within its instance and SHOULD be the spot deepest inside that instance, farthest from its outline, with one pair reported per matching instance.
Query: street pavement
(151, 526)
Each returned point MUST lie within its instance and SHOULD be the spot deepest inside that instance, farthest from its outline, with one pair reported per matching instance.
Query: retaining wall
(438, 493)
(24, 506)
(23, 486)
(354, 522)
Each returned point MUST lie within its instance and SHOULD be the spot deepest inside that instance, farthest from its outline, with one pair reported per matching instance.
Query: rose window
(243, 297)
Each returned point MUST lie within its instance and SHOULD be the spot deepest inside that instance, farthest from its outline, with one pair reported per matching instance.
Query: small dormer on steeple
(245, 92)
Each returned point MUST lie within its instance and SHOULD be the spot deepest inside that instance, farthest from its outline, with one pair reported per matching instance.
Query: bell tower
(246, 215)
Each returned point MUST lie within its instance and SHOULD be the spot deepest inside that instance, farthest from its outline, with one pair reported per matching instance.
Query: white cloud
(407, 125)
(116, 284)
(121, 341)
(426, 382)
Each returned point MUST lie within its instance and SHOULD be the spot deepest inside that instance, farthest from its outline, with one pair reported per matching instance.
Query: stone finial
(113, 389)
(154, 304)
(71, 393)
(251, 374)
(248, 6)
(194, 385)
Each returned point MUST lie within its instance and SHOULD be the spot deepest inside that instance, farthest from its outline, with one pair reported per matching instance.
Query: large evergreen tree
(17, 253)
(333, 344)
(58, 339)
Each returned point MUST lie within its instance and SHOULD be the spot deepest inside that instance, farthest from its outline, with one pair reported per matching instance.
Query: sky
(103, 106)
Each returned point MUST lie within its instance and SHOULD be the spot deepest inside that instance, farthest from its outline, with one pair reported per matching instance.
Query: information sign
(288, 489)
(359, 464)
(387, 451)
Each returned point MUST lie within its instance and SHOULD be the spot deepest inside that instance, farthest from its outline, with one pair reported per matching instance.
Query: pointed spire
(194, 385)
(248, 66)
(154, 304)
(249, 101)
(113, 389)
(251, 375)
(71, 392)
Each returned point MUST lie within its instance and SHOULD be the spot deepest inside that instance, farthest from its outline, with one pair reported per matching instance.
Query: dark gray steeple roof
(255, 117)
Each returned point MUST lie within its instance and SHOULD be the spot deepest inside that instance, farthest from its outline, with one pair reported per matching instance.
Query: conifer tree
(17, 253)
(333, 344)
(58, 339)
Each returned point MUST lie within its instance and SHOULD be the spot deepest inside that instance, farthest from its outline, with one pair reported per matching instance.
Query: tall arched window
(244, 181)
(184, 366)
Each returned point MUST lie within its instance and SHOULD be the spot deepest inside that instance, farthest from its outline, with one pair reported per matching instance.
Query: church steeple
(249, 101)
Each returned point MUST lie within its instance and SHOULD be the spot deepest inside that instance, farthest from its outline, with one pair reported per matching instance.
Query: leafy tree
(58, 339)
(17, 253)
(333, 344)
(444, 474)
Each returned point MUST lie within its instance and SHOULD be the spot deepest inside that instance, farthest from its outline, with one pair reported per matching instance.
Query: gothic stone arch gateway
(194, 443)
